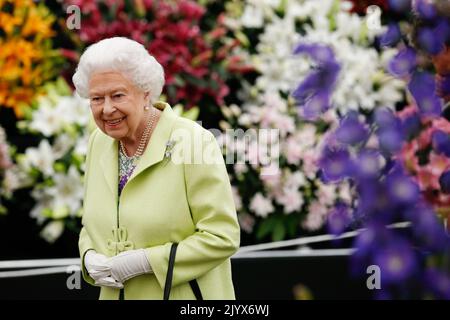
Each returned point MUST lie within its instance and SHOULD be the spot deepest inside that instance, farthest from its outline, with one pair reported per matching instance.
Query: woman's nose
(108, 107)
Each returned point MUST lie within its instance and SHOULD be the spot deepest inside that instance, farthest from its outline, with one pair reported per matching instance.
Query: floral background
(359, 107)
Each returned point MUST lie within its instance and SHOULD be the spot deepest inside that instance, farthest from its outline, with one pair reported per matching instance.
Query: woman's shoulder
(191, 126)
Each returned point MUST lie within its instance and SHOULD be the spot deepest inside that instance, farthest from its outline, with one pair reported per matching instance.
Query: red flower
(360, 6)
(171, 33)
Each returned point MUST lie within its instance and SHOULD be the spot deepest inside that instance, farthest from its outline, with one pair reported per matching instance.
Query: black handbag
(168, 285)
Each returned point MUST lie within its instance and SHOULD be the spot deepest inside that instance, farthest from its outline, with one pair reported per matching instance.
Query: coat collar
(154, 152)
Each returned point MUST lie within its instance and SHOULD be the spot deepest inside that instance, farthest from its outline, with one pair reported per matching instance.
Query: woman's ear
(147, 96)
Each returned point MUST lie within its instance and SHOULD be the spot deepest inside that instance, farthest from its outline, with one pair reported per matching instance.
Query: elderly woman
(140, 200)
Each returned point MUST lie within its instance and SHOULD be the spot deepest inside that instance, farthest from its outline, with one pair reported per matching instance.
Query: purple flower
(315, 106)
(411, 125)
(402, 189)
(441, 142)
(320, 81)
(444, 181)
(392, 36)
(368, 164)
(403, 63)
(351, 130)
(320, 53)
(390, 138)
(422, 86)
(400, 6)
(374, 202)
(444, 86)
(384, 117)
(425, 9)
(396, 260)
(338, 219)
(427, 228)
(315, 91)
(438, 282)
(431, 40)
(336, 164)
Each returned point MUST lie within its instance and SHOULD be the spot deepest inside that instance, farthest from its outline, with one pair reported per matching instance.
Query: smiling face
(117, 105)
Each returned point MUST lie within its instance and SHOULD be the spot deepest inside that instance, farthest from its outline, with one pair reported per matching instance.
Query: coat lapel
(109, 163)
(155, 150)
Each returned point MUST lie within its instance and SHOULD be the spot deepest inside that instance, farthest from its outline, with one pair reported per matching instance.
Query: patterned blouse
(126, 168)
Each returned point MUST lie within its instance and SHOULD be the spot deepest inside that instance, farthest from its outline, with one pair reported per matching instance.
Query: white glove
(99, 268)
(129, 264)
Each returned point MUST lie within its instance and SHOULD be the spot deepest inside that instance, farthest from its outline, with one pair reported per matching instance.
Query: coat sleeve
(217, 234)
(85, 242)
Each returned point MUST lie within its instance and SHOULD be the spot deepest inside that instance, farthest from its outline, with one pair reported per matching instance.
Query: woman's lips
(114, 123)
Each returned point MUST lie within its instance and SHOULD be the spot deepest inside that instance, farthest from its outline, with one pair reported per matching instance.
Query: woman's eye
(119, 95)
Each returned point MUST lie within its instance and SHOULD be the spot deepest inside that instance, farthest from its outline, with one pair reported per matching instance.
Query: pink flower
(326, 194)
(316, 216)
(261, 206)
(408, 111)
(291, 199)
(309, 158)
(293, 151)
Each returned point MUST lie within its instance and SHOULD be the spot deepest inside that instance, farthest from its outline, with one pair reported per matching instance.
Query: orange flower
(9, 22)
(25, 64)
(38, 22)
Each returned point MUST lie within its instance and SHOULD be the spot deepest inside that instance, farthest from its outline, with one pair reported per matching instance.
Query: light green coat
(163, 202)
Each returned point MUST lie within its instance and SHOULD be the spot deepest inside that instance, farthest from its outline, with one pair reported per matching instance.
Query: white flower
(62, 145)
(46, 119)
(295, 180)
(68, 191)
(261, 206)
(345, 192)
(52, 231)
(82, 144)
(291, 199)
(73, 110)
(240, 168)
(253, 17)
(313, 221)
(40, 158)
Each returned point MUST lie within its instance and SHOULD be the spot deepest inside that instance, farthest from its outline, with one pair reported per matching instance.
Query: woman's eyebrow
(119, 89)
(100, 93)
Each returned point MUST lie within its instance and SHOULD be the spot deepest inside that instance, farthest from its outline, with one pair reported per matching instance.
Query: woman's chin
(115, 134)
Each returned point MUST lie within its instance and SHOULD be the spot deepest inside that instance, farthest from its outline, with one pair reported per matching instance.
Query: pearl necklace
(144, 138)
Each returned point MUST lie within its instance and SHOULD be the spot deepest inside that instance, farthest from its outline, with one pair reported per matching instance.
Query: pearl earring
(146, 108)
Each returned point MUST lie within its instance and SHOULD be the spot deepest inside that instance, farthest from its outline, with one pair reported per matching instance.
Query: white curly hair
(123, 55)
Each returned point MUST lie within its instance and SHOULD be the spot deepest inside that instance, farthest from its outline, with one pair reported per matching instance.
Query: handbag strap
(196, 289)
(168, 285)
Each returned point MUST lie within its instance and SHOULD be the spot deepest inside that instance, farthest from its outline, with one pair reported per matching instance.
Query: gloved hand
(99, 268)
(129, 264)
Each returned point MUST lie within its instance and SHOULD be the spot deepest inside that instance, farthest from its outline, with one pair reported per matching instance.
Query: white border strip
(32, 272)
(313, 239)
(293, 253)
(38, 263)
(52, 266)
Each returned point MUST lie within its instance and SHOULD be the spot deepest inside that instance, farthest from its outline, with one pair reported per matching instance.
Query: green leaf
(279, 231)
(265, 227)
(292, 224)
